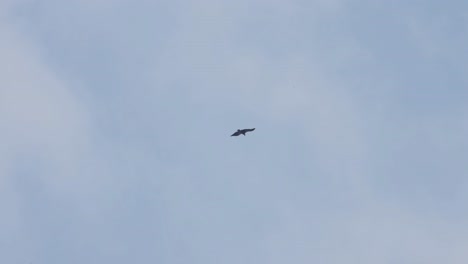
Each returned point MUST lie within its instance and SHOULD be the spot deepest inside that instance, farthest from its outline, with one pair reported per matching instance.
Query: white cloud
(41, 115)
(193, 191)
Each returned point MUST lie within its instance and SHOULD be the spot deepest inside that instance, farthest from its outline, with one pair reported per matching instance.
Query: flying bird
(242, 132)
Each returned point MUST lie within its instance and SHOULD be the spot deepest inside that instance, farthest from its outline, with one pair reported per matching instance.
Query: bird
(242, 132)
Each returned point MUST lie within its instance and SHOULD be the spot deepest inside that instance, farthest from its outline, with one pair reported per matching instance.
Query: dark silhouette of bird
(242, 132)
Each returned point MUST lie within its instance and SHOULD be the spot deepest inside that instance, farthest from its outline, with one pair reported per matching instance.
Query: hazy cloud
(116, 118)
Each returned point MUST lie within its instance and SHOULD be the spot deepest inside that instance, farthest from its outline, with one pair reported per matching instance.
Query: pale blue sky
(116, 118)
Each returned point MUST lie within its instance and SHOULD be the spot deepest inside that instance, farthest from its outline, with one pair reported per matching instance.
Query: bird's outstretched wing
(249, 129)
(237, 133)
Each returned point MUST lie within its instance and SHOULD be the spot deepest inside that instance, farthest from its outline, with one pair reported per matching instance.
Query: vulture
(242, 132)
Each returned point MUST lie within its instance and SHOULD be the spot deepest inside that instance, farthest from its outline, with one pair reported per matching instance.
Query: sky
(116, 119)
